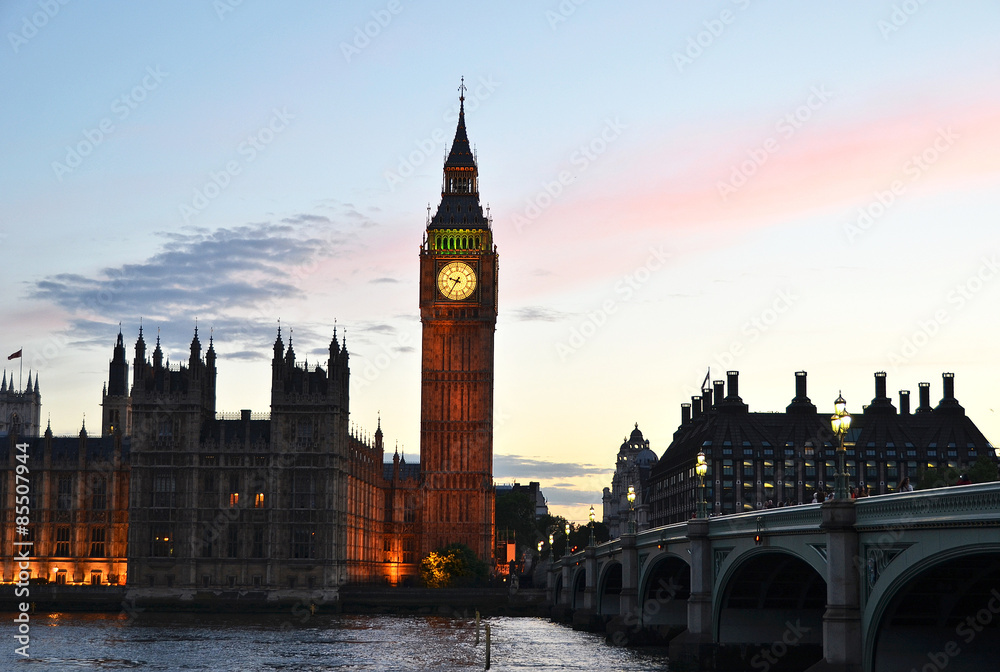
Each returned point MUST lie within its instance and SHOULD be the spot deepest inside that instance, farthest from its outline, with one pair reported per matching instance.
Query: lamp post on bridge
(701, 468)
(631, 507)
(840, 421)
(593, 517)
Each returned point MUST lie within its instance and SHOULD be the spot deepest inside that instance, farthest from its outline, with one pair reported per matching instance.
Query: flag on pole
(16, 355)
(705, 382)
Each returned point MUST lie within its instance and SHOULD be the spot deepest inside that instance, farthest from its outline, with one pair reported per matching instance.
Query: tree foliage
(984, 470)
(451, 566)
(515, 512)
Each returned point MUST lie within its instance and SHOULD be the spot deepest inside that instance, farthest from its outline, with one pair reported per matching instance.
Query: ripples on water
(273, 642)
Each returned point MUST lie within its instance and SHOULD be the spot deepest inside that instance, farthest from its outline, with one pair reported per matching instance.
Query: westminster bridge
(908, 581)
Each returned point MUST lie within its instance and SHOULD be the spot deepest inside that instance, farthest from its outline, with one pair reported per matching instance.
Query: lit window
(258, 500)
(234, 499)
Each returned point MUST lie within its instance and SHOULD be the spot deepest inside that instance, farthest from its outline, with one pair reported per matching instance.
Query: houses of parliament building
(173, 499)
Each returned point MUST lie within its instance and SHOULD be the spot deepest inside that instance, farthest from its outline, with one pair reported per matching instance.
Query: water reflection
(244, 643)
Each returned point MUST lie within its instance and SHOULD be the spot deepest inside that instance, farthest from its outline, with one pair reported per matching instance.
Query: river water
(306, 643)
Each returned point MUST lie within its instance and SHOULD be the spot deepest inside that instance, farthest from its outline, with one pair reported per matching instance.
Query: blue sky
(768, 187)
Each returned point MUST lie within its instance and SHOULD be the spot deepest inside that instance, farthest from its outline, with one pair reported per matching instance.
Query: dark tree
(515, 513)
(984, 470)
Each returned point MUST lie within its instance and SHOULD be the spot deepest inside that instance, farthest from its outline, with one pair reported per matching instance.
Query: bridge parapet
(787, 519)
(961, 505)
(668, 534)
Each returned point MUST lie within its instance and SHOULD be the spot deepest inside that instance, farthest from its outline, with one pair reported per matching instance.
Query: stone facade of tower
(20, 409)
(458, 312)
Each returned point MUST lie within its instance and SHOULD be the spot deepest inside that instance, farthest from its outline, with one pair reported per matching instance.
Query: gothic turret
(116, 404)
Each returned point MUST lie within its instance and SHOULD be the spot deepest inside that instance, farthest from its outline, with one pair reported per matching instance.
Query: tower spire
(460, 208)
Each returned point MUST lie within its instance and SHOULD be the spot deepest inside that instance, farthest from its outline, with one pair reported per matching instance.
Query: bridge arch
(558, 588)
(609, 589)
(770, 596)
(579, 584)
(936, 611)
(664, 590)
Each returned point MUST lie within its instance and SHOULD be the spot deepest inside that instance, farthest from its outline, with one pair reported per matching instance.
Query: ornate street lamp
(840, 421)
(701, 468)
(552, 547)
(540, 544)
(631, 506)
(593, 517)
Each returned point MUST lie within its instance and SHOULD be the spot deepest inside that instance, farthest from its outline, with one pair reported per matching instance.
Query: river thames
(73, 641)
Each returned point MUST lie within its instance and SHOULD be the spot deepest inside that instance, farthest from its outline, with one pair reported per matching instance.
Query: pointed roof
(461, 155)
(459, 207)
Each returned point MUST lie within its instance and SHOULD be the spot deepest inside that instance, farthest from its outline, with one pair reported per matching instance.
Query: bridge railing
(805, 518)
(969, 503)
(964, 503)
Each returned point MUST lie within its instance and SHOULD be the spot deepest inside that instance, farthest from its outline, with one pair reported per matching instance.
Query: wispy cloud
(235, 279)
(515, 466)
(539, 314)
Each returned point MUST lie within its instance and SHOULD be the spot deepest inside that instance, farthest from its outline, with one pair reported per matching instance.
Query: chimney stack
(720, 391)
(949, 386)
(706, 399)
(904, 402)
(734, 385)
(800, 387)
(695, 407)
(880, 385)
(925, 398)
(685, 413)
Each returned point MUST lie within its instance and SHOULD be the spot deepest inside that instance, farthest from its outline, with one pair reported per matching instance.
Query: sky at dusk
(766, 187)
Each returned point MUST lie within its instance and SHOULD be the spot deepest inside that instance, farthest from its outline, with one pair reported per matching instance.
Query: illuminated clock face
(456, 281)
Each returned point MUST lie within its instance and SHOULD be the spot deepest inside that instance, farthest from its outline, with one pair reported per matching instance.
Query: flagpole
(21, 372)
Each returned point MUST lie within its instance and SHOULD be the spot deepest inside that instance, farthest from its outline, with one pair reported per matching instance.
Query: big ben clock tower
(458, 312)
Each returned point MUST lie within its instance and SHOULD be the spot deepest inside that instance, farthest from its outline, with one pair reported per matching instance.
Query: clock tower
(458, 313)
